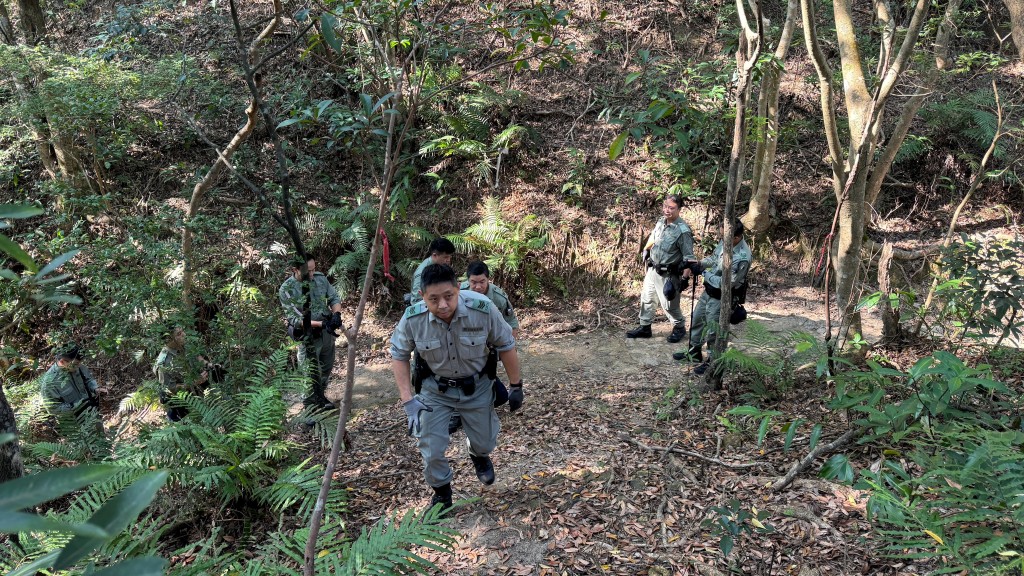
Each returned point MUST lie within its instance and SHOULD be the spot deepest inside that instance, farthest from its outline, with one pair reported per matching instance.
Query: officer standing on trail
(68, 385)
(451, 331)
(669, 245)
(440, 251)
(704, 323)
(324, 321)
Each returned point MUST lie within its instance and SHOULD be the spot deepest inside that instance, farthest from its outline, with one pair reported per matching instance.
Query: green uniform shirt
(417, 279)
(458, 349)
(672, 243)
(500, 299)
(322, 296)
(741, 258)
(64, 389)
(168, 371)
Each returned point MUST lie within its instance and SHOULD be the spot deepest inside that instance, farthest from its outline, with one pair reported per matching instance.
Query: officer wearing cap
(668, 247)
(325, 320)
(68, 385)
(451, 330)
(704, 323)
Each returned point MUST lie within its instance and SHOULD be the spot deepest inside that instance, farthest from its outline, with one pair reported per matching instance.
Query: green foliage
(771, 363)
(507, 247)
(477, 128)
(680, 110)
(983, 287)
(968, 119)
(732, 521)
(109, 519)
(961, 505)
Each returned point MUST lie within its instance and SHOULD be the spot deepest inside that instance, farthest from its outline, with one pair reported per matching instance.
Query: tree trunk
(747, 54)
(1016, 8)
(33, 21)
(11, 466)
(220, 164)
(758, 217)
(909, 111)
(6, 29)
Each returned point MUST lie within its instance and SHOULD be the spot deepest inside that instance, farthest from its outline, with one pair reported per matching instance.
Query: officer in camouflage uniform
(68, 385)
(170, 369)
(318, 337)
(704, 323)
(451, 330)
(668, 247)
(440, 251)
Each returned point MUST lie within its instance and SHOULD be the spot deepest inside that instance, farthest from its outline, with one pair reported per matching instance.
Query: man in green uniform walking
(704, 323)
(68, 386)
(309, 290)
(452, 330)
(440, 251)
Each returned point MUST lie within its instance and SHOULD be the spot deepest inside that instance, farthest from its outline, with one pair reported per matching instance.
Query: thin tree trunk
(758, 217)
(220, 164)
(979, 176)
(11, 465)
(747, 54)
(6, 28)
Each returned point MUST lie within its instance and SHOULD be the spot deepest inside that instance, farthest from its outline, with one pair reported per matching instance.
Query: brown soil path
(584, 485)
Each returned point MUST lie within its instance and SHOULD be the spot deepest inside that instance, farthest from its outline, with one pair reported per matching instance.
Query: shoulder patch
(464, 285)
(416, 309)
(480, 304)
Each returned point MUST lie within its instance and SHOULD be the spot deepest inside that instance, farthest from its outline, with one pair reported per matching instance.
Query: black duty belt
(467, 384)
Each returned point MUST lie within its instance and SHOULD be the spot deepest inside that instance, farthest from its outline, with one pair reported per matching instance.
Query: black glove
(646, 257)
(332, 324)
(515, 396)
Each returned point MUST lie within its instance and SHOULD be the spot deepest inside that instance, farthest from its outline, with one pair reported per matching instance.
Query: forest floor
(585, 482)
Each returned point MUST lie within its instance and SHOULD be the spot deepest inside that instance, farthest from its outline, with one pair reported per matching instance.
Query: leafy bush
(984, 287)
(507, 247)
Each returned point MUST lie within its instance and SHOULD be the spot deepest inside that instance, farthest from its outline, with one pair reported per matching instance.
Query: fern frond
(385, 547)
(299, 485)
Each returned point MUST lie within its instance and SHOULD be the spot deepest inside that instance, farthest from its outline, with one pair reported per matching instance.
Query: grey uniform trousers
(317, 356)
(479, 420)
(704, 323)
(654, 294)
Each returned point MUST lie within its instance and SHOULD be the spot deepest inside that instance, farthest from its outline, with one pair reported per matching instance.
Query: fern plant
(470, 131)
(508, 248)
(770, 362)
(964, 508)
(388, 548)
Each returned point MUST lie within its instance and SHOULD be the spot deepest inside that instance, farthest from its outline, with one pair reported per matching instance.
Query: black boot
(454, 423)
(442, 496)
(644, 331)
(678, 333)
(691, 355)
(484, 469)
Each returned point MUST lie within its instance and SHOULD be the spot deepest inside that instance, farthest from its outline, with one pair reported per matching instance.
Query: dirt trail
(584, 485)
